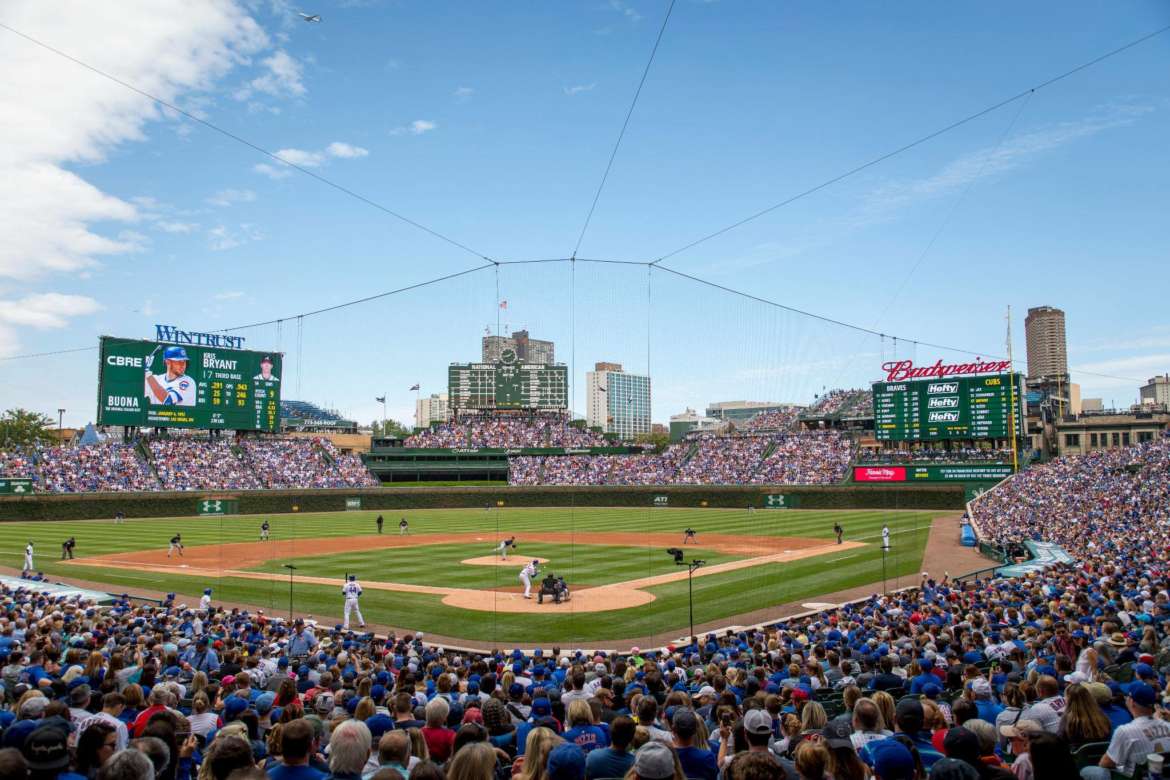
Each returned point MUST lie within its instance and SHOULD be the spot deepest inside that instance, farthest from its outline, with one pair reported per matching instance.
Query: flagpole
(383, 414)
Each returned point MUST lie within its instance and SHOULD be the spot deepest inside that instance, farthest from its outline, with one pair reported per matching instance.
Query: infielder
(205, 599)
(526, 575)
(264, 527)
(67, 548)
(689, 535)
(352, 591)
(839, 530)
(403, 527)
(176, 544)
(885, 538)
(28, 557)
(502, 549)
(172, 387)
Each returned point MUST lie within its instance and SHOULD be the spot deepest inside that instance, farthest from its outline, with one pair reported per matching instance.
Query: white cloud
(308, 159)
(344, 150)
(463, 93)
(625, 10)
(46, 310)
(417, 127)
(57, 114)
(221, 238)
(1014, 153)
(282, 78)
(578, 89)
(230, 196)
(176, 227)
(228, 295)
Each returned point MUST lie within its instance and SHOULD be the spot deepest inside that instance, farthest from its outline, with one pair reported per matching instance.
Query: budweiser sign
(900, 370)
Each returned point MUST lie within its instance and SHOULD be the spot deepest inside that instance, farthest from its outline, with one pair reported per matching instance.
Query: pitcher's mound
(495, 560)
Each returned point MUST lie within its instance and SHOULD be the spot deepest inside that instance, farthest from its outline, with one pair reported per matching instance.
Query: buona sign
(900, 370)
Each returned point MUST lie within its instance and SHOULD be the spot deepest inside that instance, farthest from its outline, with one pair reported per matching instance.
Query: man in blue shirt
(697, 762)
(615, 760)
(296, 745)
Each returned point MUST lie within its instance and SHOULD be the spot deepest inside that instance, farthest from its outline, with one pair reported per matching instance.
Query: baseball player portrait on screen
(172, 387)
(266, 374)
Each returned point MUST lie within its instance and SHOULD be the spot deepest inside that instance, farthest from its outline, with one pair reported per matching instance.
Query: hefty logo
(943, 417)
(942, 387)
(943, 402)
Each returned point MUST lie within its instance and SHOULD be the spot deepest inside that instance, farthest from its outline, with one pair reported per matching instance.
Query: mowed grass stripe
(716, 596)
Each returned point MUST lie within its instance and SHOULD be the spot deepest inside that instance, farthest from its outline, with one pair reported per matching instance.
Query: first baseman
(28, 556)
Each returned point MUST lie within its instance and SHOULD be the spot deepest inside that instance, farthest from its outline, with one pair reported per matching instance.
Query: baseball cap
(891, 759)
(836, 734)
(1022, 728)
(541, 706)
(379, 724)
(654, 761)
(45, 749)
(757, 722)
(323, 703)
(981, 687)
(909, 708)
(1142, 694)
(567, 762)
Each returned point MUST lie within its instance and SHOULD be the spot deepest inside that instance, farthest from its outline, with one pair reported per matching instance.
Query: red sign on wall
(879, 473)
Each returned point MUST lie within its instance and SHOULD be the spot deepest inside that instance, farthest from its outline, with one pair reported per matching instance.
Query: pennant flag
(381, 399)
(414, 387)
(504, 304)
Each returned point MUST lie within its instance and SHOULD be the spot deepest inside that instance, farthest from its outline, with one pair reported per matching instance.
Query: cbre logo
(936, 388)
(943, 417)
(944, 402)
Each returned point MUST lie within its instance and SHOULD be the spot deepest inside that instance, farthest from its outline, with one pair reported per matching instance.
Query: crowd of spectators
(88, 468)
(188, 463)
(506, 431)
(937, 455)
(303, 463)
(841, 403)
(776, 420)
(794, 458)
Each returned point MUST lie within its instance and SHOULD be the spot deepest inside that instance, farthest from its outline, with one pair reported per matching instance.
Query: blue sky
(492, 123)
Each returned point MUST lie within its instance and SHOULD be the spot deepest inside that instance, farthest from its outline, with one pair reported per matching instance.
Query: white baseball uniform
(205, 601)
(180, 390)
(351, 590)
(28, 557)
(885, 537)
(526, 575)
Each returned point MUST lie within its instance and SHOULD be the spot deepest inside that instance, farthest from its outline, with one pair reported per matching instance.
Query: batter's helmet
(175, 353)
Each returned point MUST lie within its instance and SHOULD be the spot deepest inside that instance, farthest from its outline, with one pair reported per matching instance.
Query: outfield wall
(87, 506)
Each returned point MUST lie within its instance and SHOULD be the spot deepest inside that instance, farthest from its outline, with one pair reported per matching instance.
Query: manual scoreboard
(155, 383)
(509, 384)
(978, 407)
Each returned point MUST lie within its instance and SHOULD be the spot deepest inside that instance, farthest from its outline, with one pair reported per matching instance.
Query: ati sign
(661, 500)
(780, 501)
(218, 506)
(353, 503)
(16, 487)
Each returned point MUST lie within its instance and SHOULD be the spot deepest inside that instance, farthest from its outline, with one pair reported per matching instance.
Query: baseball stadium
(765, 465)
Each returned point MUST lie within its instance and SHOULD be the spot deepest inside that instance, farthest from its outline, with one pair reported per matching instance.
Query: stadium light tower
(691, 565)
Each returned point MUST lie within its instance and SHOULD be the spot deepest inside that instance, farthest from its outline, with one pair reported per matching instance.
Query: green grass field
(717, 596)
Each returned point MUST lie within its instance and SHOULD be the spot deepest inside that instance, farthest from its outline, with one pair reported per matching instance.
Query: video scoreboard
(508, 384)
(955, 407)
(157, 383)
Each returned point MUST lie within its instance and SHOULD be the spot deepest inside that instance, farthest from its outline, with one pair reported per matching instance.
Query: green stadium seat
(1090, 754)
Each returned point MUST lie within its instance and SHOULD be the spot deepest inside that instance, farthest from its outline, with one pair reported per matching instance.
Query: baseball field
(445, 578)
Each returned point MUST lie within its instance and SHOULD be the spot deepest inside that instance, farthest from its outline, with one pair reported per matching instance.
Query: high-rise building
(431, 409)
(1156, 391)
(528, 350)
(617, 402)
(1047, 347)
